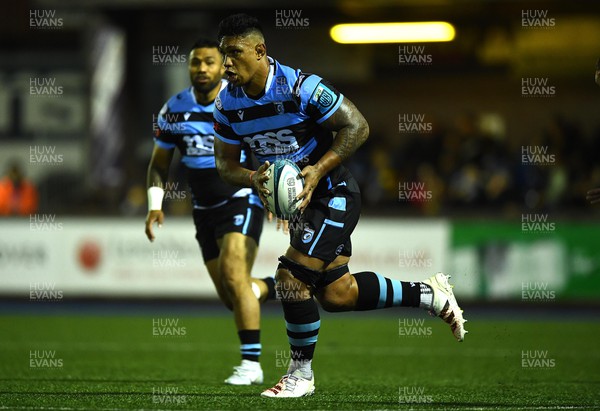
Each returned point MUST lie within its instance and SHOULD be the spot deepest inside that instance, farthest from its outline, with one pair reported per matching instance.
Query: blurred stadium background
(480, 155)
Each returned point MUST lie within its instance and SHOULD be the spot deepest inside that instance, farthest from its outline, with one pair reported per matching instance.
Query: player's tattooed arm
(352, 131)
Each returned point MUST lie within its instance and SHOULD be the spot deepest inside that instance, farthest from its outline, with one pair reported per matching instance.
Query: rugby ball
(284, 185)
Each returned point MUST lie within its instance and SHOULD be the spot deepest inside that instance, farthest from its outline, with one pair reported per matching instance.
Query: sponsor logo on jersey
(240, 114)
(339, 249)
(325, 99)
(200, 145)
(273, 142)
(322, 98)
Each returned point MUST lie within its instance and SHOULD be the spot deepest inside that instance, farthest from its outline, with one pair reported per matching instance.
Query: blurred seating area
(467, 167)
(464, 167)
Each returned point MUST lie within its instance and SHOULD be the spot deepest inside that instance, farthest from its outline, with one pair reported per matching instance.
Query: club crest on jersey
(307, 235)
(238, 219)
(218, 103)
(279, 107)
(240, 114)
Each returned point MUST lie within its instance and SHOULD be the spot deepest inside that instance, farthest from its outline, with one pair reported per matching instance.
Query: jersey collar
(271, 74)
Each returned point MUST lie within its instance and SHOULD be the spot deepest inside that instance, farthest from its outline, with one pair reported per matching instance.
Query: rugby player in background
(281, 112)
(593, 195)
(228, 218)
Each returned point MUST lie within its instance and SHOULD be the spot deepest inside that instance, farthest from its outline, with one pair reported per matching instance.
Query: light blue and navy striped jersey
(188, 125)
(285, 121)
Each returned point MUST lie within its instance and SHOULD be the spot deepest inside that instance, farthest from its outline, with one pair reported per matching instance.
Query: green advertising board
(532, 260)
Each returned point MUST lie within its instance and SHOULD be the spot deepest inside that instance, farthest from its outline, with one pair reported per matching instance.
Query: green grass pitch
(376, 361)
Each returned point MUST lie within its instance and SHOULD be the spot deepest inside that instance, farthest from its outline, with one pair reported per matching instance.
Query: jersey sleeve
(316, 97)
(163, 136)
(222, 127)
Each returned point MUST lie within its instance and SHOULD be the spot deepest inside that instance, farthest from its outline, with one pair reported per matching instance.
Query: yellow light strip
(365, 33)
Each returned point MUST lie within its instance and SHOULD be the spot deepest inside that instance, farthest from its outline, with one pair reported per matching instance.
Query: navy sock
(302, 322)
(250, 344)
(375, 292)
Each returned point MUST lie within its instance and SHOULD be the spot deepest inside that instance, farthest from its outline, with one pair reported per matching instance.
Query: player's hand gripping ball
(284, 184)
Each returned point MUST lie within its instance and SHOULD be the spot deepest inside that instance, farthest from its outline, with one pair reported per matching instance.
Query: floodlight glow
(418, 32)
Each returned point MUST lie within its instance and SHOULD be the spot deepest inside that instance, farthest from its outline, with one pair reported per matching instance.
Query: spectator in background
(462, 155)
(565, 138)
(593, 195)
(18, 196)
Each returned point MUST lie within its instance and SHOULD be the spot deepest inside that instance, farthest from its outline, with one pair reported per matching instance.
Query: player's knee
(234, 280)
(289, 288)
(283, 275)
(235, 283)
(231, 262)
(338, 296)
(234, 273)
(212, 265)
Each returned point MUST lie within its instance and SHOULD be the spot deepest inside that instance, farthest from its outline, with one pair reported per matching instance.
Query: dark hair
(238, 25)
(204, 42)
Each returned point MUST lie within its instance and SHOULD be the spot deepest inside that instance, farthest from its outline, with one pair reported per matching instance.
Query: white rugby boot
(292, 385)
(247, 373)
(444, 304)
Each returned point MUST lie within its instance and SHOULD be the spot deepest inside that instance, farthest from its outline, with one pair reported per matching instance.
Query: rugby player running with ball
(281, 112)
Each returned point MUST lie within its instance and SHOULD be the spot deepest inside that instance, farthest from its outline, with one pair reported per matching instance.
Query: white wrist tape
(155, 198)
